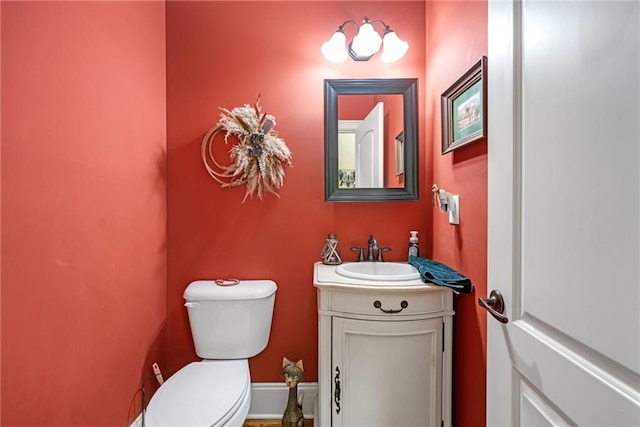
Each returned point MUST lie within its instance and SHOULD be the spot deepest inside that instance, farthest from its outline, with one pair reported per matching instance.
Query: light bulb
(335, 50)
(393, 48)
(367, 41)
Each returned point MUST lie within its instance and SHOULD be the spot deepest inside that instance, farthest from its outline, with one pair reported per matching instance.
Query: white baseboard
(268, 401)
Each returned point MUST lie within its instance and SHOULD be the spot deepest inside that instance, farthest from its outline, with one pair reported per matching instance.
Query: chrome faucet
(374, 252)
(372, 244)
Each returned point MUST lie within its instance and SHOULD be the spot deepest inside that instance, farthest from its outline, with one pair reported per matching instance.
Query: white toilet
(229, 324)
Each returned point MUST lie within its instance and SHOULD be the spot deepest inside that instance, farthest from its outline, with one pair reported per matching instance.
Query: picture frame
(399, 145)
(464, 108)
(346, 178)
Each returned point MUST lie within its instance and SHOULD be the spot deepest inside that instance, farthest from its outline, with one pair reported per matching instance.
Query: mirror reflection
(367, 129)
(371, 139)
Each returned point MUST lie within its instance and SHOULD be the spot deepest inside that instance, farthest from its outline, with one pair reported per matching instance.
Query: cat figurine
(292, 373)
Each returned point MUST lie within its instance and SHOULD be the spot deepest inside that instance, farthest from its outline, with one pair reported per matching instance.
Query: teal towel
(440, 274)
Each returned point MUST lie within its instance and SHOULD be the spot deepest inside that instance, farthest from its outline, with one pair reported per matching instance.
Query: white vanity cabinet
(384, 352)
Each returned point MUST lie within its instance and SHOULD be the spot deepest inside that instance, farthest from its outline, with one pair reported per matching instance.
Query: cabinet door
(386, 373)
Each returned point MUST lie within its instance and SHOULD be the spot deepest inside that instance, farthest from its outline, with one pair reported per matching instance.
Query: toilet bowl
(207, 393)
(229, 324)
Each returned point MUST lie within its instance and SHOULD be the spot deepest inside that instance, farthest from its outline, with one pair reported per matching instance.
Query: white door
(564, 217)
(387, 373)
(370, 149)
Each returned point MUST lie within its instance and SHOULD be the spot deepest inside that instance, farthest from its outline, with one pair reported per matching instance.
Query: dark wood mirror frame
(408, 88)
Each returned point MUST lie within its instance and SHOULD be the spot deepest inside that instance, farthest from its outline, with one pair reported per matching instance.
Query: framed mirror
(370, 129)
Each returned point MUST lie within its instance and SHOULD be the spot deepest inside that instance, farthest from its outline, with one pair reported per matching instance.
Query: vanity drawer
(384, 304)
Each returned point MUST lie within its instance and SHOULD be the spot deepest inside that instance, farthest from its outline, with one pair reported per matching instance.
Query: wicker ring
(223, 177)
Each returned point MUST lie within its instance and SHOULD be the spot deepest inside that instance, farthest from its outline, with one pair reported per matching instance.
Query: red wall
(86, 227)
(355, 107)
(83, 209)
(393, 125)
(222, 54)
(456, 39)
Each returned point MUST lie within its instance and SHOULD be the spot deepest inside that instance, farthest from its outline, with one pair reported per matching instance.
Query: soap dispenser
(413, 243)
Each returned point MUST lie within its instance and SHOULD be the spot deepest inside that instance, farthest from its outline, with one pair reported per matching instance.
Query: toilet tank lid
(246, 289)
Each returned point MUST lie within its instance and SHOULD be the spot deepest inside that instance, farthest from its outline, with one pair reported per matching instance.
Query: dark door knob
(494, 305)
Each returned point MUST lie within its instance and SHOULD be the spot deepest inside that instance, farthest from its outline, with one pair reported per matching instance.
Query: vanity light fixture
(365, 44)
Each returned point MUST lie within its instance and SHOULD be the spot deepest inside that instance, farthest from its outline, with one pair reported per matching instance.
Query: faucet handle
(380, 252)
(361, 255)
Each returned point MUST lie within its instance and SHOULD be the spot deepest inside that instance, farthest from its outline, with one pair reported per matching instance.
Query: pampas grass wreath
(259, 157)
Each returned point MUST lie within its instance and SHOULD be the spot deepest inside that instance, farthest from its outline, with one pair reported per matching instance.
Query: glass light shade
(335, 49)
(367, 41)
(393, 48)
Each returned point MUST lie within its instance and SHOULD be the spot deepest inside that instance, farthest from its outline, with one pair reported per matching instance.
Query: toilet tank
(230, 322)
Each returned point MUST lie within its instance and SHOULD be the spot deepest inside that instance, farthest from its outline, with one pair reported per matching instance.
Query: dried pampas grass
(259, 157)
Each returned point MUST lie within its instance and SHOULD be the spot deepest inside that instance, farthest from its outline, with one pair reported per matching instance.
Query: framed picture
(399, 140)
(464, 108)
(346, 178)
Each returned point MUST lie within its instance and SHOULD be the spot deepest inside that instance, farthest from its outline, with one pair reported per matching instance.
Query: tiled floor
(272, 423)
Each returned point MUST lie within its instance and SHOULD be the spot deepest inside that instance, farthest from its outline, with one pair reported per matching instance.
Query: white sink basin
(378, 271)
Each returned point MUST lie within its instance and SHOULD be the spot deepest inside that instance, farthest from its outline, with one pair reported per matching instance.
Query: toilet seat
(202, 394)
